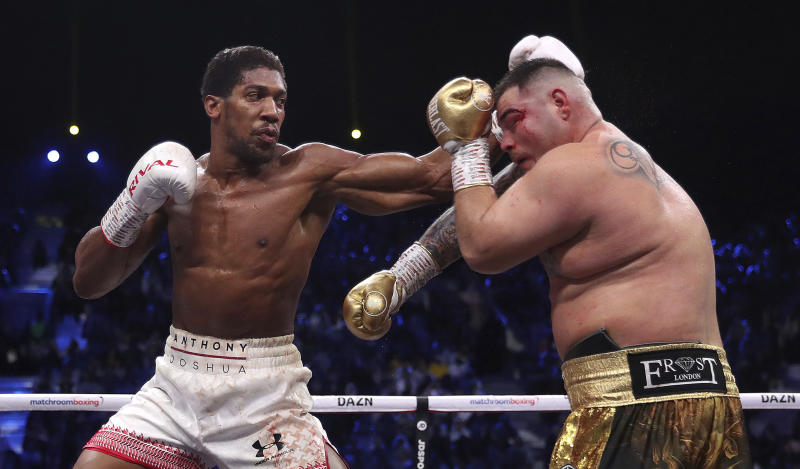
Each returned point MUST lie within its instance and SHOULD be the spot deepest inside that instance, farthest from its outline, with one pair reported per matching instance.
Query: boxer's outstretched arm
(387, 182)
(380, 183)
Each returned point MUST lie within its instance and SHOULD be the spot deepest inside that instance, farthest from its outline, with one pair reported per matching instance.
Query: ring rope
(361, 404)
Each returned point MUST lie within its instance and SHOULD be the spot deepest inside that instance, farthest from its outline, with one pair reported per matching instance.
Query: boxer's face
(253, 114)
(530, 126)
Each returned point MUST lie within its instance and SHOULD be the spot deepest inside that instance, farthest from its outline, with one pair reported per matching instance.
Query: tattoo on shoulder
(629, 158)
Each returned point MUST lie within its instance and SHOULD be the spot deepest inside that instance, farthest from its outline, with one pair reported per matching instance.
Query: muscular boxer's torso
(643, 266)
(242, 249)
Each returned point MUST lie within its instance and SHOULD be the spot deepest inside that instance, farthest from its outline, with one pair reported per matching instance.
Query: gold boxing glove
(368, 307)
(460, 112)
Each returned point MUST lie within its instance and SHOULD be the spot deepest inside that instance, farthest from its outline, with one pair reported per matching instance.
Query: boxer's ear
(212, 105)
(561, 102)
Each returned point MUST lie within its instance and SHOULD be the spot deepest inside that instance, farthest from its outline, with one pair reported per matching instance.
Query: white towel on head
(532, 47)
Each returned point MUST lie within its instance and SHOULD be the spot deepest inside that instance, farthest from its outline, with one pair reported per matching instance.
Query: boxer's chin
(526, 164)
(253, 153)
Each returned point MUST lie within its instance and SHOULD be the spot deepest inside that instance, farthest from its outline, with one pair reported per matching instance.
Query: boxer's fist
(460, 112)
(369, 305)
(168, 170)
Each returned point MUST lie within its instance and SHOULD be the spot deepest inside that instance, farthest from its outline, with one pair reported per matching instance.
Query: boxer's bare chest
(242, 225)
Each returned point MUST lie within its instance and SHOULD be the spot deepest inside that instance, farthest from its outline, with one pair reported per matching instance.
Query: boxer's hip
(647, 373)
(650, 405)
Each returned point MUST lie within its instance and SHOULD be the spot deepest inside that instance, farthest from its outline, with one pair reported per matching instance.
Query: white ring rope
(361, 404)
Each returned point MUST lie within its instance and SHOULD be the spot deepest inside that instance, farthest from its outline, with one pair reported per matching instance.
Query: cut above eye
(510, 121)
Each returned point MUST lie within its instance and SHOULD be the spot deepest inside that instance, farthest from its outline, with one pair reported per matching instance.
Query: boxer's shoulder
(593, 157)
(568, 170)
(202, 161)
(315, 150)
(575, 158)
(281, 149)
(316, 161)
(322, 156)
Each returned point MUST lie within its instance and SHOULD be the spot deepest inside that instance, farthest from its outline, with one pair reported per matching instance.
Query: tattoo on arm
(631, 159)
(440, 238)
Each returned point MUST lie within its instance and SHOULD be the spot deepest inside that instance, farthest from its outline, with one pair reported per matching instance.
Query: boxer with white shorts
(217, 402)
(243, 223)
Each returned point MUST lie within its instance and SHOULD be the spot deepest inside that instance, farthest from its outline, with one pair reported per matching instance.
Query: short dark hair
(525, 73)
(226, 68)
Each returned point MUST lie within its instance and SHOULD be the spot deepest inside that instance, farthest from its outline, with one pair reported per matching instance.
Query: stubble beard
(250, 154)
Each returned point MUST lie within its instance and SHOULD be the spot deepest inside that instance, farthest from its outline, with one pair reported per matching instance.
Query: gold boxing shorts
(659, 406)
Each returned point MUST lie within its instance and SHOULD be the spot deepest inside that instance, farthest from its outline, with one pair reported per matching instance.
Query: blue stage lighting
(93, 157)
(53, 156)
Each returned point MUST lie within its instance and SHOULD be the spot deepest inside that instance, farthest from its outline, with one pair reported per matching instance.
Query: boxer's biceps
(388, 182)
(383, 171)
(516, 227)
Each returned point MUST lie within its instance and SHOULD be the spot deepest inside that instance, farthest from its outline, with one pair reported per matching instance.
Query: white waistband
(268, 352)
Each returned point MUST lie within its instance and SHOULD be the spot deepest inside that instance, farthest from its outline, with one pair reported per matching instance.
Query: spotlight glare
(93, 157)
(73, 129)
(356, 134)
(53, 156)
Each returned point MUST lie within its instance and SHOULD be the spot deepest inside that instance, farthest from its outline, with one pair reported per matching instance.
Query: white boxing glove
(168, 170)
(547, 47)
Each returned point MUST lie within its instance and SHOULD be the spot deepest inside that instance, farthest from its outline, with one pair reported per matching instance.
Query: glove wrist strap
(123, 221)
(415, 267)
(496, 130)
(471, 166)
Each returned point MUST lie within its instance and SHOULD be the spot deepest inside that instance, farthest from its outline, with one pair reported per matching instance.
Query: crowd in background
(463, 333)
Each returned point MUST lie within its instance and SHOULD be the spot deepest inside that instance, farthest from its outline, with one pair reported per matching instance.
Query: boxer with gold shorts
(667, 405)
(625, 249)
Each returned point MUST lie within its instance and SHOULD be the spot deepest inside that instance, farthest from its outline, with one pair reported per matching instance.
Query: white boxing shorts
(216, 403)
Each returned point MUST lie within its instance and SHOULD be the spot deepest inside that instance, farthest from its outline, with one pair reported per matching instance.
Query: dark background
(707, 89)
